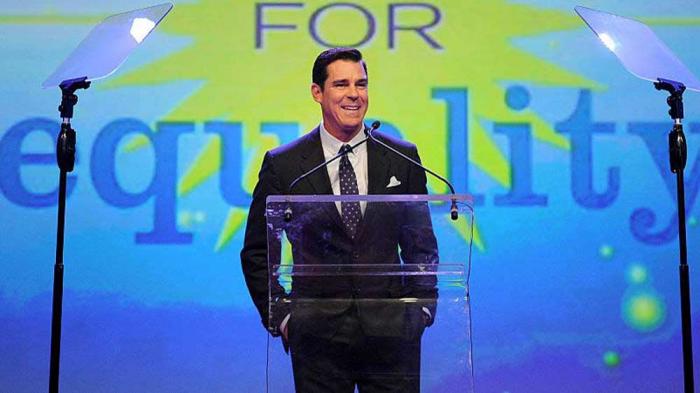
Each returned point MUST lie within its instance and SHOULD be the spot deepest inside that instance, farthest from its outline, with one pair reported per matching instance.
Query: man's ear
(316, 92)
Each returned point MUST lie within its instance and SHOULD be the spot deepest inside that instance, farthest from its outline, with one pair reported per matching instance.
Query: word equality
(162, 188)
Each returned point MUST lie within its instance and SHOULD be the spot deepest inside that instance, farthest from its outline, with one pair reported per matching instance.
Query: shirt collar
(332, 144)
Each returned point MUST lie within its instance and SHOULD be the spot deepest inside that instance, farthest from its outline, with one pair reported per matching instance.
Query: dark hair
(320, 70)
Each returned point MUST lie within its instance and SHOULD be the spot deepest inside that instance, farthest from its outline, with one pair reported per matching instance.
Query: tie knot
(345, 149)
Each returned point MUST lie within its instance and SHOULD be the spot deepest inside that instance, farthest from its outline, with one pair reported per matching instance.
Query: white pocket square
(393, 182)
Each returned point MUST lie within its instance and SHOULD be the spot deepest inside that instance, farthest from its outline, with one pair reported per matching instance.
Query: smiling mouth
(351, 107)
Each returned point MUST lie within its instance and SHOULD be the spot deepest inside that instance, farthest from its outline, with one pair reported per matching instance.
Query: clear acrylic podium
(388, 306)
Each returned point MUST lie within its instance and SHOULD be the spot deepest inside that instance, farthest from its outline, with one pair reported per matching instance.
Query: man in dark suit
(367, 331)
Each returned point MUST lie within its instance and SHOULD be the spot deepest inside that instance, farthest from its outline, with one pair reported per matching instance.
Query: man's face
(344, 98)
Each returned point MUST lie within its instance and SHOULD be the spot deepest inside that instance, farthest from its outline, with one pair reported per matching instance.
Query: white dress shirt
(358, 158)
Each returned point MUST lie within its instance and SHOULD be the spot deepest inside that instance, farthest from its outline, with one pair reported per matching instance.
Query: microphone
(288, 210)
(454, 212)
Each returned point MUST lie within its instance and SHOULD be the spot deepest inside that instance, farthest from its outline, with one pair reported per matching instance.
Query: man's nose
(353, 92)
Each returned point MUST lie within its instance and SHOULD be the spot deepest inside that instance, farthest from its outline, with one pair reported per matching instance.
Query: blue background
(552, 281)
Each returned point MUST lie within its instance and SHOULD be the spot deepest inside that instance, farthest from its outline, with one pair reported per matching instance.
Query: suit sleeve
(418, 243)
(254, 254)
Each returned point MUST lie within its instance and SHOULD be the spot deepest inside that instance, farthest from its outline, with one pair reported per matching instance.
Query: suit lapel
(312, 156)
(378, 167)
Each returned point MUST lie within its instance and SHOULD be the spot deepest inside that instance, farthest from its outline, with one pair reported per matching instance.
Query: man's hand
(284, 332)
(426, 320)
(427, 316)
(283, 327)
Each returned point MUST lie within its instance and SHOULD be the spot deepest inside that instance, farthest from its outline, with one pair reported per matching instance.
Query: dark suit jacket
(384, 229)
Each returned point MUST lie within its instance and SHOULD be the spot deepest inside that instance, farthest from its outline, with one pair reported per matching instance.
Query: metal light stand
(677, 155)
(65, 157)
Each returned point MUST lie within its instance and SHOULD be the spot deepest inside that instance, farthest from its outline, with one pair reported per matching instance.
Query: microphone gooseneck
(288, 213)
(454, 212)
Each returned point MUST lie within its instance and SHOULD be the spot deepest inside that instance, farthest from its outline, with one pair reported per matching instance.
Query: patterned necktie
(350, 211)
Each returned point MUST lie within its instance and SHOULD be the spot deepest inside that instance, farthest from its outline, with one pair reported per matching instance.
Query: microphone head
(375, 125)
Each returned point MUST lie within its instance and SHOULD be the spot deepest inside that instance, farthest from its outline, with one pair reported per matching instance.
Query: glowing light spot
(637, 274)
(189, 218)
(611, 359)
(184, 219)
(140, 27)
(643, 311)
(606, 251)
(608, 41)
(692, 221)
